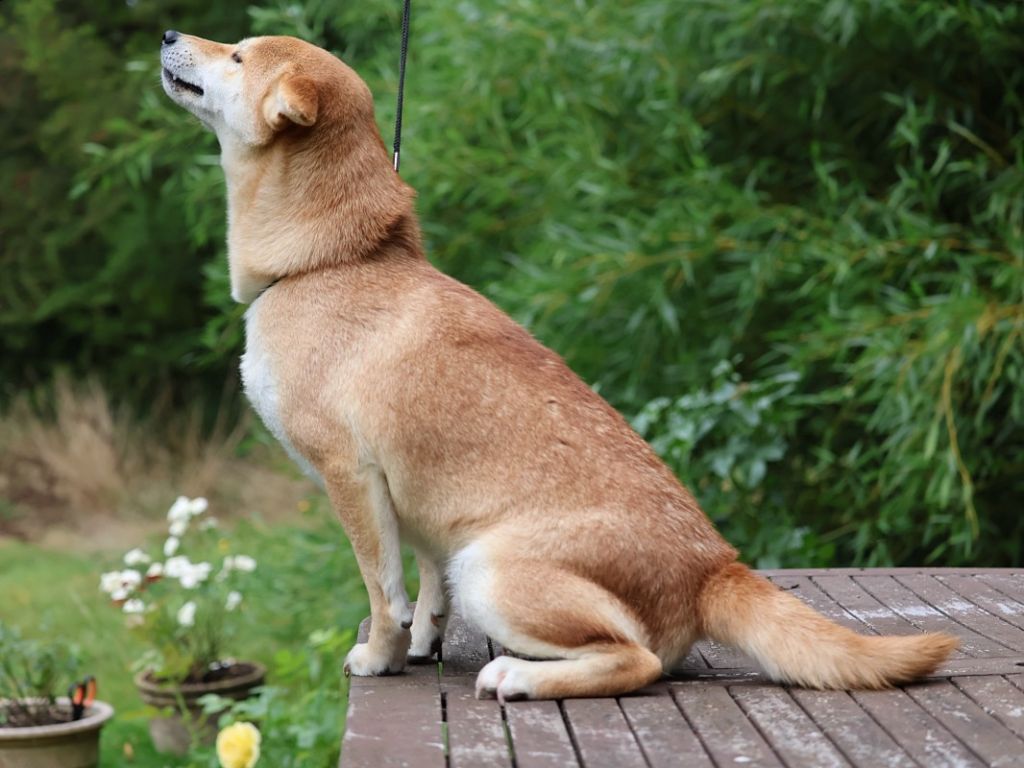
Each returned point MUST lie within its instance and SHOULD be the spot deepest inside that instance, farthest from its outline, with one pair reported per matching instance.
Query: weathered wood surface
(718, 709)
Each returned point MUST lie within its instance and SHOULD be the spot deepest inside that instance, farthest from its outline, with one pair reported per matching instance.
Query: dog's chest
(262, 387)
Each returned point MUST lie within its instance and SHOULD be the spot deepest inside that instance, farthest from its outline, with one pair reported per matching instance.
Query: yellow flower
(238, 746)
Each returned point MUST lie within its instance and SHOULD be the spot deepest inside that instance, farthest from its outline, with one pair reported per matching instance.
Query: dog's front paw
(427, 631)
(425, 650)
(363, 661)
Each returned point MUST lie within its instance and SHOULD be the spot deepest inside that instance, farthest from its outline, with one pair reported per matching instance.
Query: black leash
(401, 80)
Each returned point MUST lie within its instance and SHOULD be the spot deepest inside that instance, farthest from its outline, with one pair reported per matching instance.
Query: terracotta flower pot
(182, 716)
(62, 745)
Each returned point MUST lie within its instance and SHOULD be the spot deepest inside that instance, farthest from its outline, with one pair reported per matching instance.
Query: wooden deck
(718, 710)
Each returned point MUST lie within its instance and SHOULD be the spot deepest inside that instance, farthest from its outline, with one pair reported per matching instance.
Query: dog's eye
(236, 58)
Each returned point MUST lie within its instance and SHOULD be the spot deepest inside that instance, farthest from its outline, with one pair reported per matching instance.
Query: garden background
(785, 239)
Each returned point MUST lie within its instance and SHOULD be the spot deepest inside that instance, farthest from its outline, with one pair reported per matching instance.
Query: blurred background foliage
(787, 239)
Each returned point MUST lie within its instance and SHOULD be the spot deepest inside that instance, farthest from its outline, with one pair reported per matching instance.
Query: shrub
(828, 190)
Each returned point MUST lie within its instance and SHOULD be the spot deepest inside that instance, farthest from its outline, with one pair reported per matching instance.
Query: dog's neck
(298, 206)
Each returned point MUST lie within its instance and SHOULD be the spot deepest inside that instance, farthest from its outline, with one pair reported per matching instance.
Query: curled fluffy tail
(795, 644)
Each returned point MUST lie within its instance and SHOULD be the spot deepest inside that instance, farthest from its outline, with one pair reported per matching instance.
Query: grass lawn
(299, 619)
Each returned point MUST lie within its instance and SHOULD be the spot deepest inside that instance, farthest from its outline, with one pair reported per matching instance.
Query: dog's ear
(293, 99)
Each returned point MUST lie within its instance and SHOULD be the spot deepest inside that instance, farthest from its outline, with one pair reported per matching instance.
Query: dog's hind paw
(505, 678)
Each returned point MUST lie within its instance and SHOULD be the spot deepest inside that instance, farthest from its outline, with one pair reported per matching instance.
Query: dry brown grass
(93, 471)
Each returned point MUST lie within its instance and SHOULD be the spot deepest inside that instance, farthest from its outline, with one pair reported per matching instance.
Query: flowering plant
(182, 607)
(238, 746)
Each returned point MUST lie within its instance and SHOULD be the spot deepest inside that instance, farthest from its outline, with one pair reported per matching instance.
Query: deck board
(719, 709)
(989, 739)
(602, 734)
(664, 736)
(539, 735)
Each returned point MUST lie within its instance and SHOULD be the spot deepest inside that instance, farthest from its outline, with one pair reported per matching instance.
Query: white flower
(178, 527)
(208, 523)
(110, 581)
(155, 571)
(187, 614)
(197, 506)
(233, 601)
(136, 557)
(118, 584)
(134, 606)
(244, 563)
(189, 580)
(171, 546)
(194, 575)
(177, 566)
(179, 509)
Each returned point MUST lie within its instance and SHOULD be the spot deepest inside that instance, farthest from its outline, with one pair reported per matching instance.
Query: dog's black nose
(170, 36)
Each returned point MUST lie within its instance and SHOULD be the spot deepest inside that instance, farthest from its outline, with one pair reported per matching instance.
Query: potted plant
(38, 729)
(183, 602)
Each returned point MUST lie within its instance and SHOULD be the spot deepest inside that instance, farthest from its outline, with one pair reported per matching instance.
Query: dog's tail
(795, 644)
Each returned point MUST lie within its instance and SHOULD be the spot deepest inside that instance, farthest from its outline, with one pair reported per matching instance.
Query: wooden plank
(1010, 584)
(771, 572)
(966, 613)
(720, 656)
(997, 696)
(422, 676)
(996, 666)
(539, 735)
(845, 591)
(916, 731)
(601, 734)
(393, 726)
(723, 728)
(804, 588)
(915, 608)
(852, 730)
(465, 649)
(664, 736)
(792, 734)
(992, 600)
(1017, 680)
(476, 732)
(986, 736)
(955, 667)
(693, 662)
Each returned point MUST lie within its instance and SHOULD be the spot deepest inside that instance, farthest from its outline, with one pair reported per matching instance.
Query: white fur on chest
(262, 389)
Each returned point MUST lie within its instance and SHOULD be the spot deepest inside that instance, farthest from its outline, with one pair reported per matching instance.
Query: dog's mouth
(180, 84)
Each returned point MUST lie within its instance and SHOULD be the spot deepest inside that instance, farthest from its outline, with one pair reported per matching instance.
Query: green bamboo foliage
(787, 238)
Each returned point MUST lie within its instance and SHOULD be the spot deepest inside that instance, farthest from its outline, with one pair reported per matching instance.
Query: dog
(429, 416)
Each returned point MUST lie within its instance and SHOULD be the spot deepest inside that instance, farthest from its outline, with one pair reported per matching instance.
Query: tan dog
(429, 416)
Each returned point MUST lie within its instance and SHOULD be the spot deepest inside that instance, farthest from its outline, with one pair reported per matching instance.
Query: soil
(50, 714)
(222, 670)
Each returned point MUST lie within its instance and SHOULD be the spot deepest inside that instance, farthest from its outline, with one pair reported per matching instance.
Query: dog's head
(250, 92)
(309, 181)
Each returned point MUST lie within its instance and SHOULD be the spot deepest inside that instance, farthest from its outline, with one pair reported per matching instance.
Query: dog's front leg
(364, 505)
(430, 617)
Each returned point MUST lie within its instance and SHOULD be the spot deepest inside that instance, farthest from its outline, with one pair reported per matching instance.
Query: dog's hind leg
(600, 670)
(596, 646)
(431, 612)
